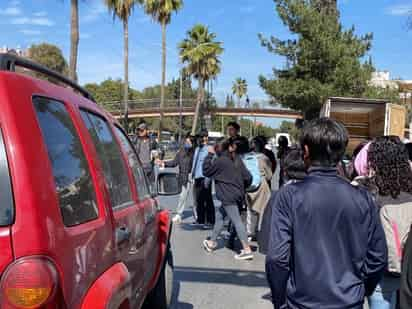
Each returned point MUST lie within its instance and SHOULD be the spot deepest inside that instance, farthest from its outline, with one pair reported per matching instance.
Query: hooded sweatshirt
(231, 178)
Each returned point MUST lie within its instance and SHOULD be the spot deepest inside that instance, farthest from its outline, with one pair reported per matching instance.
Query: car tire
(161, 295)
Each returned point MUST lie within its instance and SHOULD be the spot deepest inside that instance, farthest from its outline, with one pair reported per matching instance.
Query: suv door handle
(122, 235)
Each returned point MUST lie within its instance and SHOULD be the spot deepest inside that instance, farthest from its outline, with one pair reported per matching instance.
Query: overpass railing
(154, 105)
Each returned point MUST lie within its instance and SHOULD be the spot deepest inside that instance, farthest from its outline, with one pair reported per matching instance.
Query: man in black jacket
(144, 147)
(231, 179)
(327, 248)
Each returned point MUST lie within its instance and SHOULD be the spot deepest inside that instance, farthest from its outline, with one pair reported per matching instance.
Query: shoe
(177, 219)
(195, 223)
(225, 235)
(208, 247)
(243, 255)
(207, 226)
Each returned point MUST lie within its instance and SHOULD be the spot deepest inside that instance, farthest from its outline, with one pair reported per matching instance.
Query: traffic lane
(216, 280)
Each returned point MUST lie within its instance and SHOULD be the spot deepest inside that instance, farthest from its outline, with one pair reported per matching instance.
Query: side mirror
(168, 184)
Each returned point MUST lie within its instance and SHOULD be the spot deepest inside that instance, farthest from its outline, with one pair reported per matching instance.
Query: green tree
(290, 128)
(122, 9)
(109, 93)
(239, 89)
(161, 11)
(200, 52)
(74, 39)
(322, 59)
(327, 6)
(50, 56)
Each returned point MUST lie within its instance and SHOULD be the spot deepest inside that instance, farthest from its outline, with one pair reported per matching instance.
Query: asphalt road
(213, 281)
(217, 280)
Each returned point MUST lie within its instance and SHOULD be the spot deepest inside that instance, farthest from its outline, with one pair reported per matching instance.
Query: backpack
(396, 222)
(251, 162)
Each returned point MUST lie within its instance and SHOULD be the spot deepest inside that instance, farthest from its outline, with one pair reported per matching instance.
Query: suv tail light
(29, 283)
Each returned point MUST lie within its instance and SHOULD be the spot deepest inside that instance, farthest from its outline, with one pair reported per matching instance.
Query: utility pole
(181, 106)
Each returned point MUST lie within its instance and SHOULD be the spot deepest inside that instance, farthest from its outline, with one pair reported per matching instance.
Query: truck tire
(161, 295)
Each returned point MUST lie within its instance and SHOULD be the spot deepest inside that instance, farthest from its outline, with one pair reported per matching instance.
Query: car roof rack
(8, 62)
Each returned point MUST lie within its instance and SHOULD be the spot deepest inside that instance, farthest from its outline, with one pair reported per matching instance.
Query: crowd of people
(334, 233)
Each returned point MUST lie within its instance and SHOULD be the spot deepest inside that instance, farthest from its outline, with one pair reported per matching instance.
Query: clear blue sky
(236, 23)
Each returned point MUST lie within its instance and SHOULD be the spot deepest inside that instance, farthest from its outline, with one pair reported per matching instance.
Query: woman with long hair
(391, 174)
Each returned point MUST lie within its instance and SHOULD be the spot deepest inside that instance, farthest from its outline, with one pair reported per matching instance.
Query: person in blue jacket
(327, 248)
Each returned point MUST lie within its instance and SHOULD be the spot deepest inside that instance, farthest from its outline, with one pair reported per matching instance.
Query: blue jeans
(385, 294)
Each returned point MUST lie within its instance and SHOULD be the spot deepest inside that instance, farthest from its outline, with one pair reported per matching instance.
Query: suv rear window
(6, 194)
(70, 167)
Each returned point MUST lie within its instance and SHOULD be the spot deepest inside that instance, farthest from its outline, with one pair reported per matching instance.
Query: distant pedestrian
(258, 145)
(327, 247)
(145, 147)
(361, 170)
(259, 193)
(267, 151)
(389, 166)
(202, 185)
(231, 178)
(294, 171)
(184, 160)
(233, 129)
(283, 150)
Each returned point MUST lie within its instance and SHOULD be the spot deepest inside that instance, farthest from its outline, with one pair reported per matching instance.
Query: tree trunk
(163, 84)
(74, 39)
(198, 105)
(126, 74)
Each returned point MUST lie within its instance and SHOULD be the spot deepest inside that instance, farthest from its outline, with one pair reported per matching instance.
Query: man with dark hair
(202, 185)
(327, 248)
(233, 129)
(144, 147)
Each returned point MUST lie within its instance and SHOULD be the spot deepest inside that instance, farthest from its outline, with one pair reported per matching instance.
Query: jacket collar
(323, 171)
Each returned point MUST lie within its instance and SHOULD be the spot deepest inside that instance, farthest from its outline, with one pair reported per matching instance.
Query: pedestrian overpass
(173, 108)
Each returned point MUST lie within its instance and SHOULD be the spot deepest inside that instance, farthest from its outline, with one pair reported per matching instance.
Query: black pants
(204, 202)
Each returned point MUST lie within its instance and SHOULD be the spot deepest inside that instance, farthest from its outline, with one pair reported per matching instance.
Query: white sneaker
(243, 255)
(177, 219)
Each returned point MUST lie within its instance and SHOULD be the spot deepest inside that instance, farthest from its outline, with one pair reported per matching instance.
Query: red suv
(79, 226)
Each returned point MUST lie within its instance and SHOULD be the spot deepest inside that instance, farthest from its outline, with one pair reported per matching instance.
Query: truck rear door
(396, 117)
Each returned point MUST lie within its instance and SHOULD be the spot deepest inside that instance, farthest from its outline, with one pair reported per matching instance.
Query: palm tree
(200, 52)
(74, 39)
(239, 89)
(161, 11)
(122, 9)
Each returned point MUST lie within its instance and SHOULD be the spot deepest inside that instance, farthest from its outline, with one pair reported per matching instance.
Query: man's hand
(159, 162)
(211, 149)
